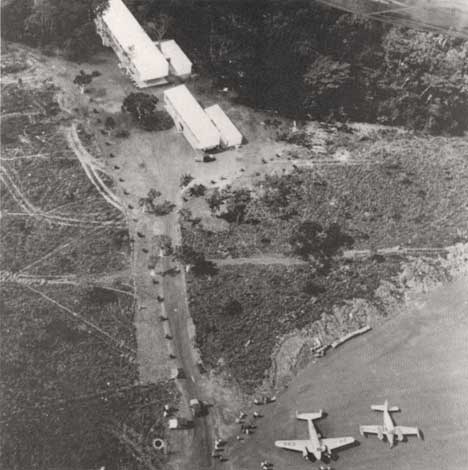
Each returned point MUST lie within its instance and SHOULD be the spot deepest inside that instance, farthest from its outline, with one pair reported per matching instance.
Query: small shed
(179, 64)
(190, 118)
(230, 135)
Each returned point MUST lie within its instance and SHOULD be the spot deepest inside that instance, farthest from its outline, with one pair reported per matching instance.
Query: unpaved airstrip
(418, 361)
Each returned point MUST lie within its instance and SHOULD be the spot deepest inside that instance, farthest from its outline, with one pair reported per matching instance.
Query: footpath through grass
(71, 398)
(409, 191)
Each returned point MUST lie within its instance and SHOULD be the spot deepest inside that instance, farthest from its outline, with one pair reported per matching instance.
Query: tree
(62, 23)
(327, 82)
(309, 238)
(143, 108)
(215, 200)
(158, 26)
(425, 76)
(235, 205)
(187, 255)
(195, 259)
(140, 105)
(305, 238)
(13, 17)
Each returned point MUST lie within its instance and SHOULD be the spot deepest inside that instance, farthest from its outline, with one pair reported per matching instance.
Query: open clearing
(71, 393)
(144, 161)
(416, 360)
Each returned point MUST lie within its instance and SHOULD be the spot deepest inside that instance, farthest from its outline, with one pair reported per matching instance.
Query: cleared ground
(417, 360)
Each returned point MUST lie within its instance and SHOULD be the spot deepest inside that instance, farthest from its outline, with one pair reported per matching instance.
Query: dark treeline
(301, 59)
(308, 61)
(68, 25)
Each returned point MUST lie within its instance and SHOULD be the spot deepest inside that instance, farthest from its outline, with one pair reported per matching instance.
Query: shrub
(163, 208)
(215, 200)
(185, 180)
(235, 205)
(197, 190)
(109, 123)
(309, 238)
(195, 259)
(83, 78)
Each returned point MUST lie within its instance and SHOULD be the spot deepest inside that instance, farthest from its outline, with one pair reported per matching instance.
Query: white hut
(179, 64)
(230, 135)
(190, 118)
(137, 53)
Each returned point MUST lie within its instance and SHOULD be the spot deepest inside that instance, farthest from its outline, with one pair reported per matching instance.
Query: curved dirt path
(142, 163)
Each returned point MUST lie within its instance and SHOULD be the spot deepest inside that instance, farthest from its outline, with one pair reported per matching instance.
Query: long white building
(139, 56)
(190, 118)
(229, 134)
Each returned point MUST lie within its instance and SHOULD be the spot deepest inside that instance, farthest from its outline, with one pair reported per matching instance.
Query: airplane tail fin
(378, 407)
(391, 409)
(309, 416)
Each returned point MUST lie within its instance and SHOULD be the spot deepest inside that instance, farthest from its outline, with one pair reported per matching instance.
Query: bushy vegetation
(59, 23)
(143, 108)
(67, 394)
(307, 60)
(309, 238)
(412, 193)
(69, 386)
(240, 312)
(195, 260)
(302, 59)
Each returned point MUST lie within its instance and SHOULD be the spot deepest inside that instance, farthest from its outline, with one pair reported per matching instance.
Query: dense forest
(301, 59)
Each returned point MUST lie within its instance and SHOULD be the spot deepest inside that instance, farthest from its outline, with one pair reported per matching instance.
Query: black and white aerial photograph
(234, 235)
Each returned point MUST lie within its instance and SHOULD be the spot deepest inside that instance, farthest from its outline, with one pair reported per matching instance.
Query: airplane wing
(297, 445)
(408, 431)
(371, 430)
(336, 442)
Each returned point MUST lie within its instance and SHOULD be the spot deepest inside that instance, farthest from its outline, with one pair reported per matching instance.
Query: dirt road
(144, 161)
(150, 161)
(417, 361)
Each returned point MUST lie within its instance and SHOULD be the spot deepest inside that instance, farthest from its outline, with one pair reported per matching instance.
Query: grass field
(242, 311)
(70, 391)
(407, 190)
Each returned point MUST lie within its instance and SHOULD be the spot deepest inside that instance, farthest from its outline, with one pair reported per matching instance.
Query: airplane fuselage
(389, 427)
(315, 444)
(388, 423)
(315, 447)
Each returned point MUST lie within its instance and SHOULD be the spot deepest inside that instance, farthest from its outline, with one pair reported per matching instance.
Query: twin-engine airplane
(389, 429)
(314, 448)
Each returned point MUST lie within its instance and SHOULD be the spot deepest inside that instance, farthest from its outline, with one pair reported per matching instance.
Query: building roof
(230, 135)
(178, 60)
(193, 115)
(146, 57)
